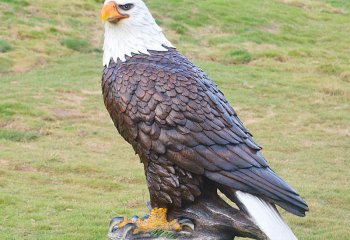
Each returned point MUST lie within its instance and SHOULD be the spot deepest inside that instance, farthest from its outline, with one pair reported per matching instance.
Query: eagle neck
(125, 39)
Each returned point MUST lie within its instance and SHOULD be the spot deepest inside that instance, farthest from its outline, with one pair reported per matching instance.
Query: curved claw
(113, 225)
(185, 222)
(127, 229)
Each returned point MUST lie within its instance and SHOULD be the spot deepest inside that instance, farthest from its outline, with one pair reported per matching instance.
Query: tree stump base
(213, 219)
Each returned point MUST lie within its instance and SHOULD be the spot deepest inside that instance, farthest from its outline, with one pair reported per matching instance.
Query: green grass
(42, 31)
(5, 46)
(18, 136)
(65, 172)
(79, 45)
(238, 56)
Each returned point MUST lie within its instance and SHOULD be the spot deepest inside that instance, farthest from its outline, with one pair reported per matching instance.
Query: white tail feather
(266, 217)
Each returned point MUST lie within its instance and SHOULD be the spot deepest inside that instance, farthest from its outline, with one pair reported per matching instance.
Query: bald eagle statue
(188, 137)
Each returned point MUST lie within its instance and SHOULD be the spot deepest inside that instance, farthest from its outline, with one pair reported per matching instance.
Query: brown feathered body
(186, 133)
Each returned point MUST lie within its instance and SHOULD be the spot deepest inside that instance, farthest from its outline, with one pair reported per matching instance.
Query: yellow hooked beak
(111, 13)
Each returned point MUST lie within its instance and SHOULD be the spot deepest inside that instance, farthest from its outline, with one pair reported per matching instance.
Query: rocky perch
(212, 218)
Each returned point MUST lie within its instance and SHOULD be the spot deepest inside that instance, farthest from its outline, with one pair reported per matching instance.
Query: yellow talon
(157, 220)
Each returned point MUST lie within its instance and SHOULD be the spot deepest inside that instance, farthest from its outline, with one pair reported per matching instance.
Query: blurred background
(64, 170)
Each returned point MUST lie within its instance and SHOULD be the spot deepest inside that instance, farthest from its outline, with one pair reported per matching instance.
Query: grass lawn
(64, 170)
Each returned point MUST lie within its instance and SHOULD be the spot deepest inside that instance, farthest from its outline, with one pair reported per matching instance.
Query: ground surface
(64, 171)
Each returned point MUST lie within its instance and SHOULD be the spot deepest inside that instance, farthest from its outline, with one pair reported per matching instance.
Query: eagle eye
(126, 7)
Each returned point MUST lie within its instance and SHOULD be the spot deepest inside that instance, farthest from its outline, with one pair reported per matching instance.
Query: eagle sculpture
(188, 137)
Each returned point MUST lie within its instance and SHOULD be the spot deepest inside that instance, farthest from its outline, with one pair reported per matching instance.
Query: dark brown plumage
(187, 135)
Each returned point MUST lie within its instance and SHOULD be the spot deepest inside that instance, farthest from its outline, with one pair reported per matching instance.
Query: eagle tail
(266, 217)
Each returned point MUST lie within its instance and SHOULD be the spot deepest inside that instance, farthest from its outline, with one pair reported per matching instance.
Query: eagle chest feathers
(186, 133)
(146, 97)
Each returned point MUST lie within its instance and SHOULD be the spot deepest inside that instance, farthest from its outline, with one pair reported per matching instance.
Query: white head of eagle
(130, 29)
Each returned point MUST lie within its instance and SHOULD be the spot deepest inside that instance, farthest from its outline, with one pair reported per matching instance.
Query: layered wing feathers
(173, 109)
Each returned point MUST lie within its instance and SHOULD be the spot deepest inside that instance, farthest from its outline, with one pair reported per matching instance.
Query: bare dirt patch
(254, 47)
(345, 76)
(4, 162)
(97, 36)
(15, 124)
(24, 168)
(207, 30)
(272, 28)
(249, 117)
(66, 113)
(91, 93)
(294, 3)
(311, 4)
(335, 130)
(70, 98)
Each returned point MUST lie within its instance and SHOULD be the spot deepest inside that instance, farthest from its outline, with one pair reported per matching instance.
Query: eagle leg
(122, 228)
(157, 221)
